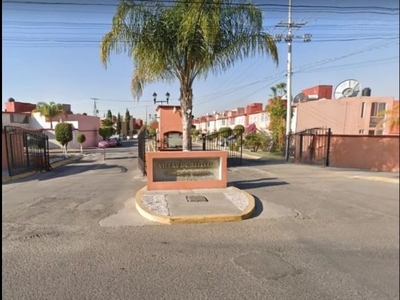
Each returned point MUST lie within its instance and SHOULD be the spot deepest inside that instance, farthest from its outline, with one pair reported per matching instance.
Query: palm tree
(49, 111)
(391, 118)
(279, 90)
(185, 40)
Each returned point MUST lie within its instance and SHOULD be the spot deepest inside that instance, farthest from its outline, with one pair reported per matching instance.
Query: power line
(375, 9)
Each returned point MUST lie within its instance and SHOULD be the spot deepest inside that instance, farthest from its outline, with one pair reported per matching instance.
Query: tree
(105, 132)
(80, 138)
(185, 40)
(106, 123)
(276, 109)
(238, 128)
(225, 132)
(127, 121)
(63, 133)
(119, 123)
(391, 118)
(109, 115)
(49, 111)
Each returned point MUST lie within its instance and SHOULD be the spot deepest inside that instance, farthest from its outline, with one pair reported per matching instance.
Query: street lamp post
(161, 101)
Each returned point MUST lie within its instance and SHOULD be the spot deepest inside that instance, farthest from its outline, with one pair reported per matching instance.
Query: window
(376, 108)
(375, 132)
(362, 109)
(376, 113)
(17, 118)
(361, 131)
(223, 122)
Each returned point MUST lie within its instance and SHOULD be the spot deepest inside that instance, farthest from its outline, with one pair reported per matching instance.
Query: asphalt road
(343, 243)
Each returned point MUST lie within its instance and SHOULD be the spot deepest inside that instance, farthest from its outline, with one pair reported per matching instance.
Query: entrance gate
(26, 150)
(311, 146)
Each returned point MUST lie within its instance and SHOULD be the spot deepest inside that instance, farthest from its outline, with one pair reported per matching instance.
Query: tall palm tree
(185, 40)
(279, 90)
(49, 111)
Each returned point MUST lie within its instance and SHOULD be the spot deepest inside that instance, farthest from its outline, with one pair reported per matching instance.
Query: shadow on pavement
(120, 157)
(259, 207)
(67, 170)
(256, 183)
(259, 162)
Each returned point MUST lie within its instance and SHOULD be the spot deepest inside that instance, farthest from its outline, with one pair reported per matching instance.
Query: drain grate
(196, 199)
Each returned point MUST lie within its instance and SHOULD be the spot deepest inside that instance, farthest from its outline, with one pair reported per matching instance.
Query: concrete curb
(152, 216)
(381, 179)
(54, 165)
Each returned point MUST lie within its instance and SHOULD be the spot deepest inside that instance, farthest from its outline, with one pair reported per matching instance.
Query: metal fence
(26, 150)
(227, 140)
(311, 146)
(142, 150)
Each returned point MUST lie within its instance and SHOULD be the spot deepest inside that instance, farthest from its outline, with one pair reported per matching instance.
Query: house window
(362, 109)
(361, 131)
(376, 113)
(376, 108)
(223, 122)
(20, 119)
(375, 132)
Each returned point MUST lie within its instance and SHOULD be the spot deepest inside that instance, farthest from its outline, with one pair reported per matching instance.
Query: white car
(135, 136)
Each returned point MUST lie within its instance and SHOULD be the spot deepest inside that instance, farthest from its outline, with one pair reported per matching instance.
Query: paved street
(73, 233)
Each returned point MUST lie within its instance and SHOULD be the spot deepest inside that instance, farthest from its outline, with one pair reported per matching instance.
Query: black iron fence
(227, 140)
(26, 150)
(142, 150)
(310, 146)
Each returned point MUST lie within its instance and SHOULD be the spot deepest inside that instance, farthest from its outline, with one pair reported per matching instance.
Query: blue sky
(51, 53)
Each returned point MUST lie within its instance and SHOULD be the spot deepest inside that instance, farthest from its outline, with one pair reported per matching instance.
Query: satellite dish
(347, 88)
(300, 98)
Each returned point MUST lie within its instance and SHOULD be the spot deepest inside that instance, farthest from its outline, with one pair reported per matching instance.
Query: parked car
(110, 142)
(135, 136)
(225, 142)
(118, 140)
(103, 144)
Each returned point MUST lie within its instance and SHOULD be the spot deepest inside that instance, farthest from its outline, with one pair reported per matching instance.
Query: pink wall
(343, 116)
(168, 121)
(89, 126)
(375, 153)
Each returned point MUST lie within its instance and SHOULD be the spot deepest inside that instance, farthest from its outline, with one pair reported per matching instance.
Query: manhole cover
(196, 199)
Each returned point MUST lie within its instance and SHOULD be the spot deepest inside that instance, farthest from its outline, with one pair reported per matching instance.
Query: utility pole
(95, 110)
(289, 39)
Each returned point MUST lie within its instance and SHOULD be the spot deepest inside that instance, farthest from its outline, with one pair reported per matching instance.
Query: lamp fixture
(167, 95)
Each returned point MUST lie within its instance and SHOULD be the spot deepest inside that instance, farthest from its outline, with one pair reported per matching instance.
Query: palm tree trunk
(186, 99)
(51, 124)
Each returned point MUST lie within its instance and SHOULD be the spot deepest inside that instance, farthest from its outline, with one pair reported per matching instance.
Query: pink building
(20, 114)
(354, 115)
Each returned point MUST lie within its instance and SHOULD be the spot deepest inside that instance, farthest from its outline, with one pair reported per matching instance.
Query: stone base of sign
(186, 170)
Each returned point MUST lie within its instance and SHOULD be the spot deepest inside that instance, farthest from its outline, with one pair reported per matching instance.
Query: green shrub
(80, 138)
(63, 134)
(225, 132)
(238, 129)
(106, 132)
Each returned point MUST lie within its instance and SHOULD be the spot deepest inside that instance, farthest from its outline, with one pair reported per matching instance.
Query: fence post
(241, 147)
(203, 140)
(104, 153)
(287, 146)
(328, 148)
